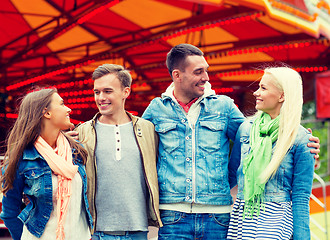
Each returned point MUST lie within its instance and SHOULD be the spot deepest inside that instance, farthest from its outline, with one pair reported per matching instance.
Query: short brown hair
(122, 74)
(176, 58)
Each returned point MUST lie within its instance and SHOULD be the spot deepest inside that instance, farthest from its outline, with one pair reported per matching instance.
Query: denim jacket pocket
(34, 179)
(168, 135)
(245, 145)
(211, 133)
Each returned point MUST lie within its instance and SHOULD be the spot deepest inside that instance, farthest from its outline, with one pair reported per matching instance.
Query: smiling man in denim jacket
(194, 126)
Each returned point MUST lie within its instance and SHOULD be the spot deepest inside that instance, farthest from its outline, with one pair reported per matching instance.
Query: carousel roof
(60, 42)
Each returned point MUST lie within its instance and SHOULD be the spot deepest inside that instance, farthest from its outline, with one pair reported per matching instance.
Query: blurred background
(60, 42)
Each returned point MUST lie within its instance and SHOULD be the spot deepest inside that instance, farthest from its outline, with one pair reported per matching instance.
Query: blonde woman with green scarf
(276, 167)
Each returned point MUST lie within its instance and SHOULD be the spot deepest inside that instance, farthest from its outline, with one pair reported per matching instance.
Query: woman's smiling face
(269, 98)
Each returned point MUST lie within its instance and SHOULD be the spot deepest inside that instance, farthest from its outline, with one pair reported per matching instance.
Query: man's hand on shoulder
(72, 133)
(315, 145)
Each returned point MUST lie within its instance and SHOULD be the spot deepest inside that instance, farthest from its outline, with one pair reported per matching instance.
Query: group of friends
(116, 174)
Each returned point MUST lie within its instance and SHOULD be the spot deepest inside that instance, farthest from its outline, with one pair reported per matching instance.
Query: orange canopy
(60, 42)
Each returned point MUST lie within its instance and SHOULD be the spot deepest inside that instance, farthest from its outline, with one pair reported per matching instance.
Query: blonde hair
(289, 82)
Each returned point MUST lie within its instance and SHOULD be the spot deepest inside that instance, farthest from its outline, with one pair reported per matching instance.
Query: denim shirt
(292, 181)
(34, 178)
(192, 161)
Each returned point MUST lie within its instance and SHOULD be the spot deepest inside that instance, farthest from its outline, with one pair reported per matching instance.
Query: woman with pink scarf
(47, 167)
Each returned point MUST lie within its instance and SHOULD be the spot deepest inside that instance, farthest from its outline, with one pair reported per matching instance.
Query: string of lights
(184, 31)
(252, 72)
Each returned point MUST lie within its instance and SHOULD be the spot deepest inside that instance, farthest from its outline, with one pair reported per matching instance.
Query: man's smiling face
(194, 77)
(109, 94)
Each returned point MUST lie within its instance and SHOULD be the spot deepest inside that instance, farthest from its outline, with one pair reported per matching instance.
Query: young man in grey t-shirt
(121, 166)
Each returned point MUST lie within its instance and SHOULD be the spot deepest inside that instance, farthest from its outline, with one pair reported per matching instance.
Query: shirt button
(187, 159)
(187, 198)
(187, 180)
(187, 138)
(183, 121)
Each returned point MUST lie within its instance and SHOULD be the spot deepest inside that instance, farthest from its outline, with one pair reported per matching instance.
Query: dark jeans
(193, 226)
(127, 236)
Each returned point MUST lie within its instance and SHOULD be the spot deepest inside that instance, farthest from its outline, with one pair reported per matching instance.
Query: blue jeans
(127, 236)
(193, 226)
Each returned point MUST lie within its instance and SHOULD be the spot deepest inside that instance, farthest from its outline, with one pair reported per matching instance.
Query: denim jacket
(193, 153)
(34, 178)
(292, 181)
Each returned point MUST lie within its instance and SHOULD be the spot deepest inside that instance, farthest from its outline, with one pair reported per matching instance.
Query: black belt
(119, 233)
(116, 233)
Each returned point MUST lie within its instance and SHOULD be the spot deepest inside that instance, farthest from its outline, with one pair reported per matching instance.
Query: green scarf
(264, 133)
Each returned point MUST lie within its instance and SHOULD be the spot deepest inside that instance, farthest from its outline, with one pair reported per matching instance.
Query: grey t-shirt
(121, 192)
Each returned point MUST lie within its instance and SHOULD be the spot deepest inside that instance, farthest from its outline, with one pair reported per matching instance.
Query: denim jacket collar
(31, 153)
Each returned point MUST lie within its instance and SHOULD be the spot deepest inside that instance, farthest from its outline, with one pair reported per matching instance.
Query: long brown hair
(25, 132)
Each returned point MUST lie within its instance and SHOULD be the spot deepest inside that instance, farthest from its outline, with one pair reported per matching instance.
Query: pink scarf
(61, 164)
